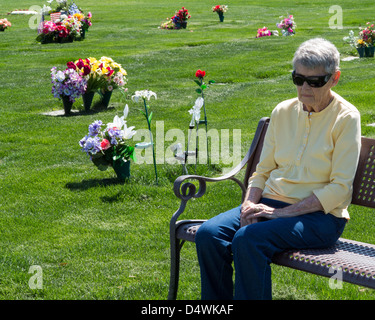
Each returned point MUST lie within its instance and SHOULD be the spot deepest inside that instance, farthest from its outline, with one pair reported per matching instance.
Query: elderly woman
(299, 194)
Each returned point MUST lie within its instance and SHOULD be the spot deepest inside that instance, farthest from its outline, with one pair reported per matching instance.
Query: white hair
(317, 52)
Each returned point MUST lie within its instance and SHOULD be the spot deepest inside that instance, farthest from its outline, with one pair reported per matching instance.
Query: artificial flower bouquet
(183, 14)
(67, 83)
(364, 42)
(104, 74)
(178, 21)
(367, 35)
(354, 41)
(220, 8)
(108, 145)
(4, 23)
(69, 24)
(265, 32)
(168, 24)
(180, 18)
(287, 26)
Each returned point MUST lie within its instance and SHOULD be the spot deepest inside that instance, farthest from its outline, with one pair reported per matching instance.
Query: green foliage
(96, 238)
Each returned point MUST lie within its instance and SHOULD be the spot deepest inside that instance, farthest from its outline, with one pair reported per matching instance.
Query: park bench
(354, 260)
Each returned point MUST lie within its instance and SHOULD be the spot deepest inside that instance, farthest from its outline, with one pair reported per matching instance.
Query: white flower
(126, 111)
(60, 76)
(195, 111)
(120, 124)
(117, 123)
(128, 133)
(143, 94)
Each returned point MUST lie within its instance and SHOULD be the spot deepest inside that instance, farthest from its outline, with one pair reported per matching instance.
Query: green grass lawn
(95, 238)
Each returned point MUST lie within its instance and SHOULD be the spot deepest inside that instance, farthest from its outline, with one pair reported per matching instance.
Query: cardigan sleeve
(344, 163)
(267, 160)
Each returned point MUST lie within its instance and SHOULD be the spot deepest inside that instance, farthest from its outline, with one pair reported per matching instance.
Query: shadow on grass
(92, 183)
(96, 108)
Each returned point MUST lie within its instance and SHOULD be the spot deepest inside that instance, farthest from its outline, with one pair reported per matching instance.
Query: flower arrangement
(142, 95)
(220, 8)
(354, 41)
(183, 14)
(104, 74)
(265, 32)
(67, 83)
(178, 21)
(168, 24)
(108, 146)
(287, 26)
(364, 42)
(65, 28)
(4, 23)
(367, 35)
(364, 39)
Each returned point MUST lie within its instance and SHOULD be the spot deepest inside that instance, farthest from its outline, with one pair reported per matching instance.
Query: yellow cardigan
(307, 153)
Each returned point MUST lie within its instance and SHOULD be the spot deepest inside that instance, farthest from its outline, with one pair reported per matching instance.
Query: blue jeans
(221, 241)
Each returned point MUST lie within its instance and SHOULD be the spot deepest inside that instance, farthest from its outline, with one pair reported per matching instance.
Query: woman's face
(315, 99)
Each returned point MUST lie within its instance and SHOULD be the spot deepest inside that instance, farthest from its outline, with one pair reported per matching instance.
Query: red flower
(62, 31)
(86, 70)
(110, 71)
(71, 65)
(80, 64)
(105, 144)
(200, 73)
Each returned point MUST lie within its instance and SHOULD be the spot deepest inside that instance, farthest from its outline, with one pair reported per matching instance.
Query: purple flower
(90, 145)
(94, 128)
(68, 83)
(114, 134)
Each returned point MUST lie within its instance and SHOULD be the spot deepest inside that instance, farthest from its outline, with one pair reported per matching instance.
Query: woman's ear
(336, 77)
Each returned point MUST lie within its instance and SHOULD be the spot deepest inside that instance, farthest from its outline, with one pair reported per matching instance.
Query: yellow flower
(106, 59)
(78, 16)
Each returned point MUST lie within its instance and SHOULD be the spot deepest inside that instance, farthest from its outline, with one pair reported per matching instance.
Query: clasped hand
(252, 212)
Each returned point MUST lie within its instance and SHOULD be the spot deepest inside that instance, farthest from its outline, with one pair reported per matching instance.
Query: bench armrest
(185, 190)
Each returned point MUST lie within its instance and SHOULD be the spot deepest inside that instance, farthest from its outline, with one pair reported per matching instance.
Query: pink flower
(105, 144)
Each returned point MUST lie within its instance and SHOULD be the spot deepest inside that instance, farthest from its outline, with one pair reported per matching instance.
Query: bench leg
(175, 268)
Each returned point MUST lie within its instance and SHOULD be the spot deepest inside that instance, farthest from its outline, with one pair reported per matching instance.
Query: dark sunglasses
(315, 81)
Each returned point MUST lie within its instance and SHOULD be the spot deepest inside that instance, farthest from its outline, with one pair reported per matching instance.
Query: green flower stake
(147, 94)
(202, 85)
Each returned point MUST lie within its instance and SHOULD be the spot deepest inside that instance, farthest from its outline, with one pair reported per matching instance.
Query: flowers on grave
(4, 23)
(178, 21)
(142, 96)
(107, 144)
(220, 8)
(367, 35)
(104, 74)
(67, 83)
(182, 14)
(365, 38)
(354, 41)
(64, 28)
(265, 32)
(167, 24)
(287, 26)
